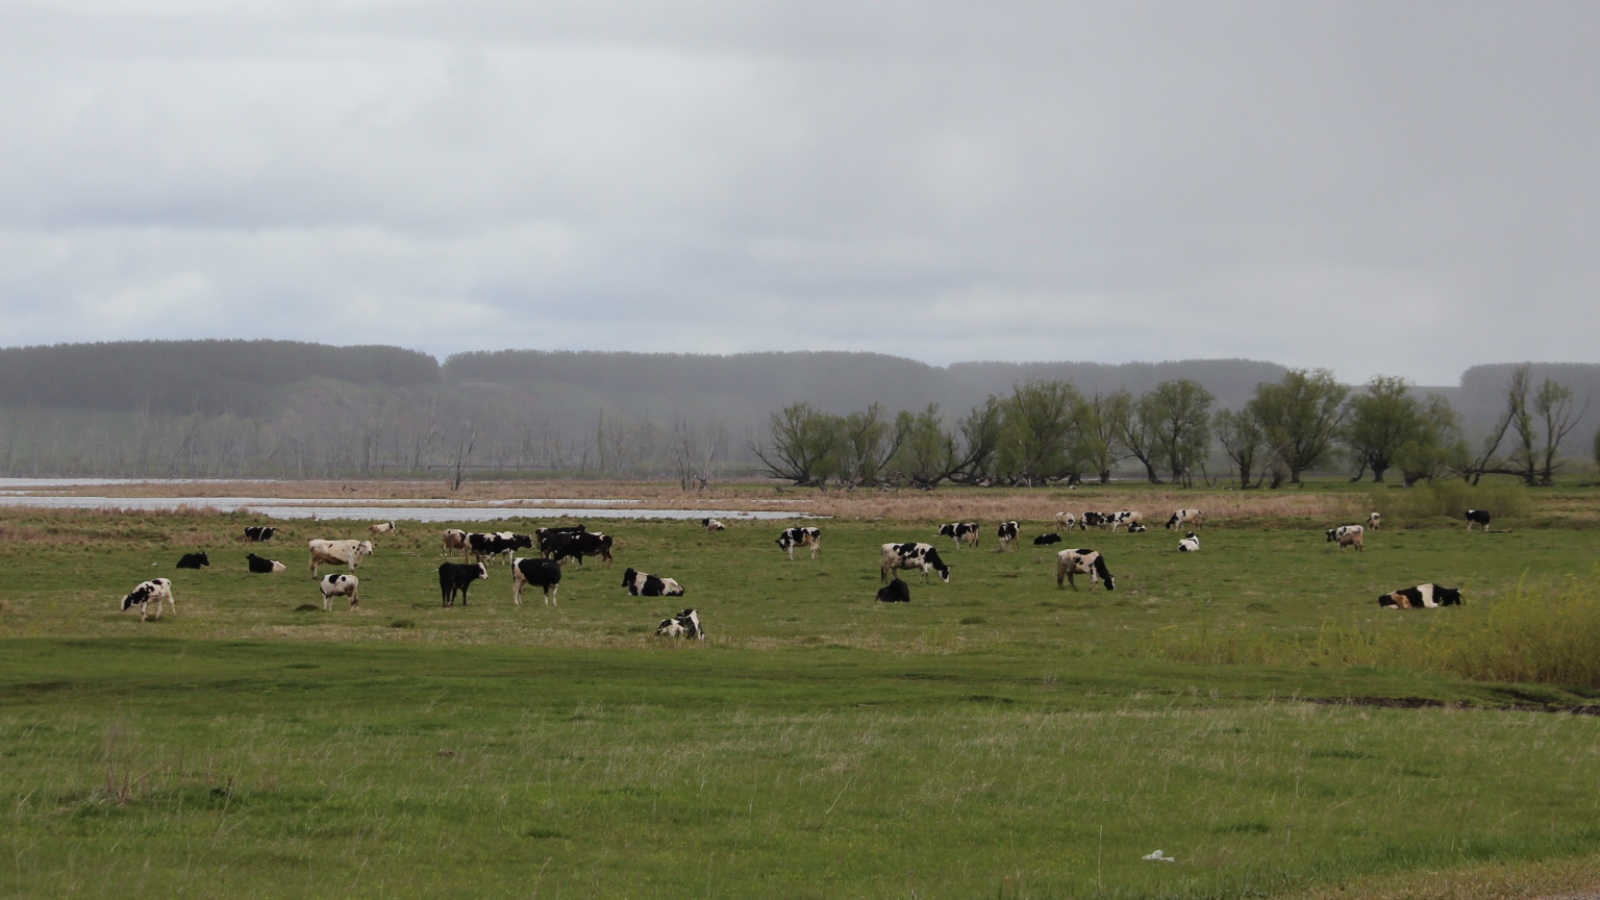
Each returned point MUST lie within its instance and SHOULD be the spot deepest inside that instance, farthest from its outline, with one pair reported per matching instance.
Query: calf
(1044, 540)
(337, 553)
(584, 543)
(1137, 528)
(802, 537)
(1374, 520)
(959, 532)
(482, 543)
(381, 528)
(454, 577)
(259, 532)
(194, 561)
(1066, 521)
(260, 565)
(1347, 536)
(1083, 562)
(643, 584)
(1420, 596)
(685, 624)
(150, 592)
(713, 525)
(537, 571)
(340, 585)
(1008, 535)
(912, 556)
(1127, 517)
(1184, 517)
(1478, 517)
(1190, 544)
(896, 591)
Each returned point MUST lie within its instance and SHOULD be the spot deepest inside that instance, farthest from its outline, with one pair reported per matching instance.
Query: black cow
(536, 571)
(260, 565)
(1478, 517)
(802, 537)
(684, 624)
(259, 532)
(549, 538)
(643, 584)
(579, 544)
(1420, 596)
(455, 577)
(194, 561)
(896, 591)
(912, 556)
(960, 531)
(1044, 540)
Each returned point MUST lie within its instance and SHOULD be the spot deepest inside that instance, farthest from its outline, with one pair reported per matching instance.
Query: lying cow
(1421, 596)
(457, 578)
(1478, 517)
(960, 532)
(337, 553)
(685, 624)
(1347, 536)
(713, 525)
(147, 593)
(1083, 562)
(259, 532)
(1190, 544)
(643, 584)
(896, 591)
(1189, 518)
(912, 555)
(340, 585)
(1007, 533)
(537, 571)
(381, 528)
(1137, 528)
(1045, 540)
(583, 543)
(194, 561)
(802, 537)
(260, 565)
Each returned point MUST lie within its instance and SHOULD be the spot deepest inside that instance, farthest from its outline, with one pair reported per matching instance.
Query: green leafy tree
(802, 445)
(1178, 414)
(1300, 417)
(1244, 442)
(1378, 422)
(1039, 423)
(1430, 449)
(1100, 424)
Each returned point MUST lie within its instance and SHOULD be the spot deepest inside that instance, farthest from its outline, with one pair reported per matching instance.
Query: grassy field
(1248, 710)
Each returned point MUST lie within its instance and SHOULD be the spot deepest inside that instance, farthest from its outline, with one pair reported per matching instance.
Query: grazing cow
(1008, 535)
(896, 591)
(1126, 517)
(381, 528)
(960, 531)
(643, 584)
(537, 571)
(340, 585)
(584, 543)
(550, 539)
(1083, 562)
(1420, 596)
(1066, 521)
(454, 577)
(150, 592)
(486, 543)
(455, 539)
(259, 532)
(1096, 520)
(194, 561)
(337, 553)
(1374, 520)
(1347, 536)
(1184, 517)
(1190, 544)
(685, 624)
(802, 537)
(1137, 528)
(260, 565)
(713, 525)
(1045, 540)
(912, 556)
(1478, 517)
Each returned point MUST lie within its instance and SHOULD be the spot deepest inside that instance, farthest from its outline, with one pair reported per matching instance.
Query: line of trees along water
(299, 410)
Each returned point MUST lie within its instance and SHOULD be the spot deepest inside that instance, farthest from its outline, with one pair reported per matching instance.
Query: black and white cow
(1137, 528)
(1083, 562)
(260, 565)
(643, 584)
(148, 593)
(1190, 518)
(912, 555)
(457, 578)
(1374, 520)
(549, 538)
(801, 536)
(1093, 519)
(537, 571)
(1066, 521)
(713, 525)
(259, 532)
(1126, 517)
(194, 561)
(497, 543)
(340, 585)
(895, 591)
(1008, 535)
(1478, 517)
(1420, 596)
(583, 543)
(685, 624)
(337, 553)
(1347, 536)
(960, 532)
(1190, 543)
(381, 528)
(1044, 540)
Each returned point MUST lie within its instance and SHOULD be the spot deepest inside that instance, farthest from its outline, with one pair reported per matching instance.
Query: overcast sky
(1392, 187)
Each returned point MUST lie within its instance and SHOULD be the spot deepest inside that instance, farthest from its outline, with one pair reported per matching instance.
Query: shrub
(1452, 498)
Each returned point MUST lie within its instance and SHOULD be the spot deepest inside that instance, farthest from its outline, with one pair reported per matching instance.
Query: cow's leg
(550, 594)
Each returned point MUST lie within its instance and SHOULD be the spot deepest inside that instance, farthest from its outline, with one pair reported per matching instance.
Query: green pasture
(1249, 710)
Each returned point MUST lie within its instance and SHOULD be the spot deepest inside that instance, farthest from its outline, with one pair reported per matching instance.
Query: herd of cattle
(559, 545)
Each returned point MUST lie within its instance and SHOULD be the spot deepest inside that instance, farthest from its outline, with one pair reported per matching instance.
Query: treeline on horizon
(234, 408)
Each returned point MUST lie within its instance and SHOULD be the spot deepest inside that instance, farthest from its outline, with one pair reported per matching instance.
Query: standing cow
(339, 585)
(537, 571)
(802, 537)
(1083, 562)
(912, 555)
(961, 532)
(1347, 536)
(337, 553)
(155, 591)
(457, 578)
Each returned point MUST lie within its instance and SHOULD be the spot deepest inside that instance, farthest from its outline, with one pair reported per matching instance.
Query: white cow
(337, 553)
